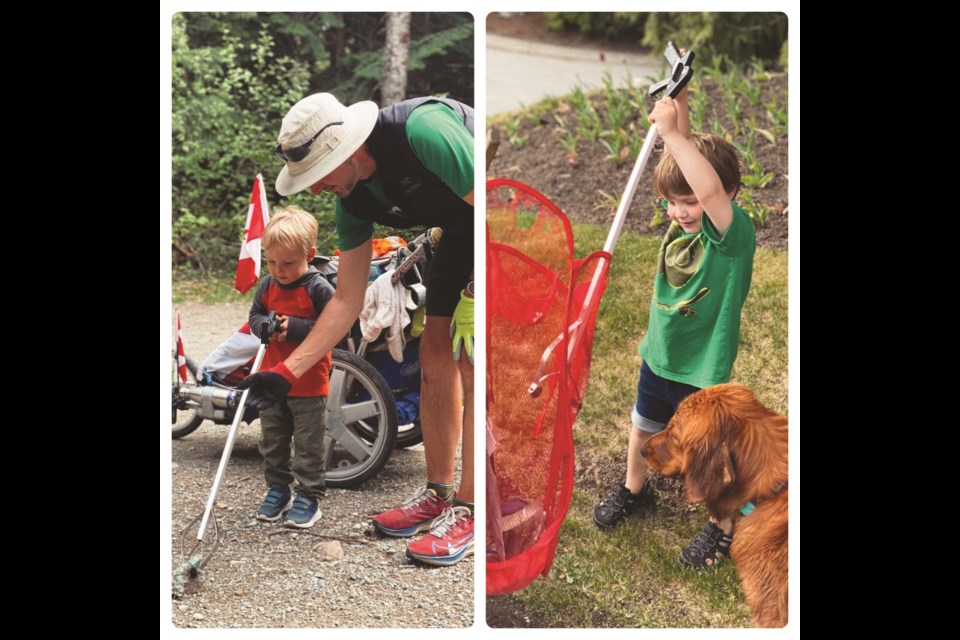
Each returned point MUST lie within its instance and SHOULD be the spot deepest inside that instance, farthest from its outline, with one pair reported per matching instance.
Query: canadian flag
(181, 354)
(248, 265)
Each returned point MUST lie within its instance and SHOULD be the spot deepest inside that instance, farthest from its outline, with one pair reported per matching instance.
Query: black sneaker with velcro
(709, 549)
(620, 504)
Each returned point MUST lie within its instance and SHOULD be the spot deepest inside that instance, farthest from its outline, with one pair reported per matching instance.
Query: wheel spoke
(360, 411)
(328, 443)
(337, 385)
(348, 440)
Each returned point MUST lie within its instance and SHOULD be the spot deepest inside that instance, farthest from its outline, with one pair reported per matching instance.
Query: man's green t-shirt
(701, 284)
(444, 146)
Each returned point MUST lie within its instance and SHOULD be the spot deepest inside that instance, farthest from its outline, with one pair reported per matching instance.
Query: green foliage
(367, 65)
(618, 25)
(588, 120)
(758, 211)
(757, 177)
(777, 113)
(657, 219)
(698, 108)
(739, 37)
(222, 97)
(512, 128)
(607, 201)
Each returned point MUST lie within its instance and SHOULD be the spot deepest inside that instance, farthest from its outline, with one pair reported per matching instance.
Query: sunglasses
(298, 153)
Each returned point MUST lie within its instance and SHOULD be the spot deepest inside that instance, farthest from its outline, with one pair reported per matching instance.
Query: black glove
(268, 387)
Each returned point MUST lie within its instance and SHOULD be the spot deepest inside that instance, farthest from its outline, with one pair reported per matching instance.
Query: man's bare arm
(340, 313)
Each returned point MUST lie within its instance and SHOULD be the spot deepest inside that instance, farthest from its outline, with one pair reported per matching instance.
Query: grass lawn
(211, 288)
(629, 576)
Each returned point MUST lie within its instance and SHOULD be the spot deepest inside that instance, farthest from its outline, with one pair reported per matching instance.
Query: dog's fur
(732, 450)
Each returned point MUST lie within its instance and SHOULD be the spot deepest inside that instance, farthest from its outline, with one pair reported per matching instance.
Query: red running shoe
(450, 539)
(415, 515)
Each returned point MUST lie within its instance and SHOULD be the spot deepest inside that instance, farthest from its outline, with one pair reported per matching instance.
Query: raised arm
(683, 108)
(699, 173)
(683, 112)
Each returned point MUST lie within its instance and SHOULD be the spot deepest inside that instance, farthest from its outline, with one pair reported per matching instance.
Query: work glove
(268, 387)
(461, 328)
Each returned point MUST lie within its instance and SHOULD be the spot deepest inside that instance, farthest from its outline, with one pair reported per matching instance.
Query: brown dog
(732, 452)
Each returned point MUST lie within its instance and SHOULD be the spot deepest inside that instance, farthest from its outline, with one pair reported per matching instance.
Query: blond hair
(721, 155)
(291, 228)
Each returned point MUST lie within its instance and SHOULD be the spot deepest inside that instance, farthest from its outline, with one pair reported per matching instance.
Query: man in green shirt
(406, 165)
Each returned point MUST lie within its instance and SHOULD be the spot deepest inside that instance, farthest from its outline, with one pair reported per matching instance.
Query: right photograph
(637, 320)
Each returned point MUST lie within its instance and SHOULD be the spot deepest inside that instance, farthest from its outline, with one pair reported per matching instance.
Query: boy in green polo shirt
(703, 276)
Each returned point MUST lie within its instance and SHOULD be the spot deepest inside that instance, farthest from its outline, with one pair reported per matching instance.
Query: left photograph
(322, 261)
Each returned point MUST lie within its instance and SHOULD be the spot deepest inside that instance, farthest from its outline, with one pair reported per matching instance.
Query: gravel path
(337, 574)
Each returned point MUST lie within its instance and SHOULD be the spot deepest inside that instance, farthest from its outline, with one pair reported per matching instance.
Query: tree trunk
(395, 54)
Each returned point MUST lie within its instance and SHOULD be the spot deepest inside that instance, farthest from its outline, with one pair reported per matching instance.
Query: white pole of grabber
(645, 151)
(576, 328)
(228, 448)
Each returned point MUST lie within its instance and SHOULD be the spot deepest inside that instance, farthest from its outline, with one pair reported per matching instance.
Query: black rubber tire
(185, 418)
(371, 434)
(409, 435)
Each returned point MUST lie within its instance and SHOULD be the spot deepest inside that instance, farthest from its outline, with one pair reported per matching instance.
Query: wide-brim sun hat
(344, 129)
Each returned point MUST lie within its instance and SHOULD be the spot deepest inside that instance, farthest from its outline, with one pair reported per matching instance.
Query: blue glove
(268, 387)
(461, 328)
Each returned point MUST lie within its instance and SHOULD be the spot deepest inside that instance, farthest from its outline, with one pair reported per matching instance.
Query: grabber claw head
(680, 72)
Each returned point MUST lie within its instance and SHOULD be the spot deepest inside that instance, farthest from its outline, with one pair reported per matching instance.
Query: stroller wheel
(361, 421)
(185, 415)
(409, 435)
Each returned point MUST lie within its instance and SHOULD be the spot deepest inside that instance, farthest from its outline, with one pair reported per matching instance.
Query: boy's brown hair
(291, 228)
(669, 180)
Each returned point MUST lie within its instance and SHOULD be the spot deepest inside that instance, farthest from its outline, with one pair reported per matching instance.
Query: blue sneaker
(304, 513)
(277, 502)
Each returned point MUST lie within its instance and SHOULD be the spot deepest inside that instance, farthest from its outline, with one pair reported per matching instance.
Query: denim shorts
(657, 400)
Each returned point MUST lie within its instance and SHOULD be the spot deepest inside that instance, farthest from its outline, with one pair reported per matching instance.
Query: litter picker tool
(197, 557)
(680, 74)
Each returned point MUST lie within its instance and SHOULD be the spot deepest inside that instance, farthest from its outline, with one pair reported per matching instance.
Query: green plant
(758, 176)
(615, 144)
(716, 125)
(578, 99)
(777, 115)
(607, 201)
(589, 125)
(657, 219)
(698, 109)
(512, 129)
(732, 104)
(569, 141)
(752, 90)
(758, 211)
(758, 70)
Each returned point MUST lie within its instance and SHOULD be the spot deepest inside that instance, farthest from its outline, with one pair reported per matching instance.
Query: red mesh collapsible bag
(541, 309)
